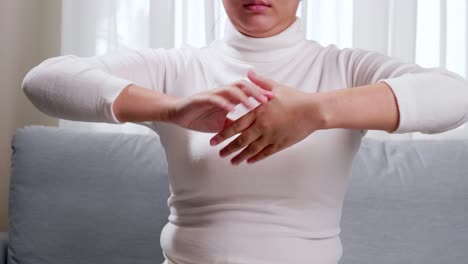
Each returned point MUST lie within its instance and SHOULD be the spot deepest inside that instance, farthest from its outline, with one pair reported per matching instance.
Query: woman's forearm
(84, 88)
(430, 100)
(138, 104)
(366, 107)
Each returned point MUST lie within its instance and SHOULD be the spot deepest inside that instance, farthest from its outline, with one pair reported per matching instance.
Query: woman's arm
(395, 96)
(137, 104)
(387, 94)
(204, 111)
(84, 89)
(366, 107)
(292, 115)
(131, 87)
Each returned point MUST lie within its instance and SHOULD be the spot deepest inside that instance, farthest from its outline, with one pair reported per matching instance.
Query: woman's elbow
(455, 112)
(30, 80)
(42, 77)
(30, 84)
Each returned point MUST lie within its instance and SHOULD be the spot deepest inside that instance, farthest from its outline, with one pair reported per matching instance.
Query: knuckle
(255, 147)
(210, 99)
(234, 145)
(231, 93)
(282, 145)
(277, 148)
(225, 89)
(218, 90)
(269, 151)
(263, 124)
(239, 142)
(237, 84)
(235, 126)
(262, 156)
(234, 91)
(223, 135)
(228, 150)
(244, 86)
(257, 128)
(243, 83)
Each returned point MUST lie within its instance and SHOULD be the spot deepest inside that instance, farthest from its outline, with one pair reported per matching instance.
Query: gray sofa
(78, 197)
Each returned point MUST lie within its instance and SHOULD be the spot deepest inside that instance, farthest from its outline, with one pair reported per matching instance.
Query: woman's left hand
(286, 119)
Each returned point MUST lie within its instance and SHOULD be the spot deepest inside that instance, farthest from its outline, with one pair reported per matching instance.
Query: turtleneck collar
(268, 49)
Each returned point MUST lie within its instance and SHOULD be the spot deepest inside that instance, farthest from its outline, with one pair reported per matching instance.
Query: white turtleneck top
(285, 209)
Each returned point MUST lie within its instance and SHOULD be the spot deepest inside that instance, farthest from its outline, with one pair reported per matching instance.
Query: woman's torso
(284, 209)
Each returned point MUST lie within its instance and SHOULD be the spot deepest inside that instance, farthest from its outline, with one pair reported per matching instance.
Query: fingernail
(264, 98)
(213, 141)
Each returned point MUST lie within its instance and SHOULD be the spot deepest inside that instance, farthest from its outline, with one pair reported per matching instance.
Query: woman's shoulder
(332, 52)
(328, 49)
(170, 57)
(183, 52)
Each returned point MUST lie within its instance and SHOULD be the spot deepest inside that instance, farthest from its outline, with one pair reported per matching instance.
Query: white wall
(30, 33)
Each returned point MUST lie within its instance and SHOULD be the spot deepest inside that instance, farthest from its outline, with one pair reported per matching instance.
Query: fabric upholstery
(81, 197)
(88, 197)
(407, 202)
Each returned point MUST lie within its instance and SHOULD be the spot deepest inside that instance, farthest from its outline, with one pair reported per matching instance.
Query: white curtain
(428, 32)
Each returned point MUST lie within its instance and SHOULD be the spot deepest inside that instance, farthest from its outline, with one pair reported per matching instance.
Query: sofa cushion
(86, 197)
(82, 197)
(407, 202)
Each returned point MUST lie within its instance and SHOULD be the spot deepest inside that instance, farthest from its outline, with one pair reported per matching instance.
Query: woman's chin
(257, 27)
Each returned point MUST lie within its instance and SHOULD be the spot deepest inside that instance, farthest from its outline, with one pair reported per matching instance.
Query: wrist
(319, 107)
(166, 110)
(139, 104)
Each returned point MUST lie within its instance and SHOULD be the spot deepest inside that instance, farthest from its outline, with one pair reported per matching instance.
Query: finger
(236, 95)
(251, 150)
(266, 152)
(256, 92)
(227, 122)
(261, 81)
(242, 141)
(221, 102)
(237, 126)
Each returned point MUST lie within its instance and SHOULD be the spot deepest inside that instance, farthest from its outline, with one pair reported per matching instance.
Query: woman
(302, 124)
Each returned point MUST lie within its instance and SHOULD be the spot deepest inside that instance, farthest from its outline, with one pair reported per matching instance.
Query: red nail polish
(222, 153)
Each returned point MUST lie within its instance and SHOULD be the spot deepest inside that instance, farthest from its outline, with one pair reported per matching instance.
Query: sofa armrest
(3, 247)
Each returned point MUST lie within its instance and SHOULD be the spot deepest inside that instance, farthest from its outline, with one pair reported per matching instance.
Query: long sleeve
(84, 89)
(430, 100)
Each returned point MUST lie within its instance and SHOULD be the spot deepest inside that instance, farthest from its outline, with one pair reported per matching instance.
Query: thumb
(261, 81)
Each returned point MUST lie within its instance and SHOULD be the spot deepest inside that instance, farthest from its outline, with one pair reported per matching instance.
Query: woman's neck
(243, 47)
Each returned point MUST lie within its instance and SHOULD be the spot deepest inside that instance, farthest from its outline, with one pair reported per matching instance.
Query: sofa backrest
(407, 202)
(81, 197)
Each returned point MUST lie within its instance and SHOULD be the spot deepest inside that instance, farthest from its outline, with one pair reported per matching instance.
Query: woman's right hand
(207, 111)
